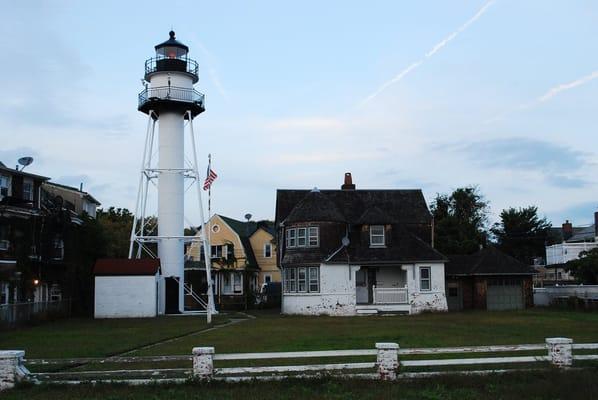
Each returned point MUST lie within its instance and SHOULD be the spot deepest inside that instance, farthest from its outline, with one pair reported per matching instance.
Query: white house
(128, 288)
(348, 252)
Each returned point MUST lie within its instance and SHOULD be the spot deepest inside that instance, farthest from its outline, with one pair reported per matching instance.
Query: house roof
(402, 206)
(583, 234)
(74, 189)
(315, 206)
(405, 248)
(487, 261)
(245, 230)
(125, 266)
(26, 174)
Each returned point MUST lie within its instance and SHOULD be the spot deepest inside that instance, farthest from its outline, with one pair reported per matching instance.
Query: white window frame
(313, 232)
(223, 251)
(377, 235)
(4, 293)
(301, 235)
(235, 280)
(266, 277)
(267, 250)
(302, 282)
(28, 195)
(58, 244)
(428, 279)
(4, 184)
(315, 281)
(293, 282)
(291, 238)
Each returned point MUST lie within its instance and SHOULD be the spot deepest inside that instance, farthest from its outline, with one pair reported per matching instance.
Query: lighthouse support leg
(204, 238)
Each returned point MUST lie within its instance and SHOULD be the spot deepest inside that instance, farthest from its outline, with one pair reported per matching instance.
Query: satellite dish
(345, 241)
(248, 216)
(25, 161)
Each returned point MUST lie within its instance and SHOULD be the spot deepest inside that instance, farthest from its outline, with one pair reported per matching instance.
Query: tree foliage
(522, 233)
(585, 268)
(116, 224)
(460, 221)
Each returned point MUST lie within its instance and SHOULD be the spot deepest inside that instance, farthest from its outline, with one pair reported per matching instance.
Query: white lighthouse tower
(170, 101)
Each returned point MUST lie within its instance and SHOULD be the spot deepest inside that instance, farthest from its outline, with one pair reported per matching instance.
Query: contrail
(547, 96)
(430, 53)
(566, 86)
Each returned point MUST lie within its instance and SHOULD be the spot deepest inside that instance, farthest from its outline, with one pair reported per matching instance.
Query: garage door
(504, 294)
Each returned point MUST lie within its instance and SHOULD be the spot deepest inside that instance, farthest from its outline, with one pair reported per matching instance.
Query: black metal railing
(173, 93)
(183, 64)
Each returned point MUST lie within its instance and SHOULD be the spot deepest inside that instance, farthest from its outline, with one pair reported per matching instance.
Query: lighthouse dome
(171, 48)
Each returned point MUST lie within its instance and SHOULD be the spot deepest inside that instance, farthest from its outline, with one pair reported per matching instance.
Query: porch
(381, 289)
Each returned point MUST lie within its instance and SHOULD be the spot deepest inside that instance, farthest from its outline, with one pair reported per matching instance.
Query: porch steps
(366, 311)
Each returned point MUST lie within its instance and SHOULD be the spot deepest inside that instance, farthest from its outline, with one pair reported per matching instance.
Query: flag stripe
(209, 179)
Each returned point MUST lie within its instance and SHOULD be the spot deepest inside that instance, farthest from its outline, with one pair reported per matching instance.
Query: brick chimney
(567, 230)
(348, 185)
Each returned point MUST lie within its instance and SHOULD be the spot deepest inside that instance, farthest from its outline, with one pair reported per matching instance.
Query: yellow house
(243, 258)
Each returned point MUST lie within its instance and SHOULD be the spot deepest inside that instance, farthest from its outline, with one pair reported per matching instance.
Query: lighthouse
(171, 103)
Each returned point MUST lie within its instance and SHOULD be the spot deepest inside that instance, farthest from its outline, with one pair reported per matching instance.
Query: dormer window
(377, 236)
(303, 237)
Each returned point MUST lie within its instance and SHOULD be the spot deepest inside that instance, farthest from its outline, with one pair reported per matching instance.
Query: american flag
(210, 177)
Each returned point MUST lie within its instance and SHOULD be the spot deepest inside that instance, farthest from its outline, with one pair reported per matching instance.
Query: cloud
(566, 182)
(435, 49)
(308, 123)
(554, 162)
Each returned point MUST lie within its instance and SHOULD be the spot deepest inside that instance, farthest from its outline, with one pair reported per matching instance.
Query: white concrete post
(560, 351)
(203, 362)
(12, 369)
(387, 360)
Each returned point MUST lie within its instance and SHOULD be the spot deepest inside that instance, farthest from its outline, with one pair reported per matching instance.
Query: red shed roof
(125, 266)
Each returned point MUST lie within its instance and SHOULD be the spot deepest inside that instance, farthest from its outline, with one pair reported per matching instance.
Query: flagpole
(206, 245)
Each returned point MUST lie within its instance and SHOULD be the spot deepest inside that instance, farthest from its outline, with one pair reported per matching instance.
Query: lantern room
(171, 56)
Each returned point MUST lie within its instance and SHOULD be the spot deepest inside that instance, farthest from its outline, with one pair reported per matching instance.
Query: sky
(403, 94)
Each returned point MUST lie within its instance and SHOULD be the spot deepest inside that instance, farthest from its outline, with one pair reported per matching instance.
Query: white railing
(386, 362)
(390, 295)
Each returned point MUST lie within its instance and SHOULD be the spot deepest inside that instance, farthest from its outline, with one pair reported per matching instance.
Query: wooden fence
(388, 362)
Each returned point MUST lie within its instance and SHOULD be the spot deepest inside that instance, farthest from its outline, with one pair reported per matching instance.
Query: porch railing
(390, 295)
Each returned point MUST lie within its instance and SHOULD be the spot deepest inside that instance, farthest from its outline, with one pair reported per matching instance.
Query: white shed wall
(125, 296)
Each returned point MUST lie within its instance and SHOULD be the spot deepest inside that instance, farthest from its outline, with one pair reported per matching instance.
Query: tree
(521, 233)
(460, 221)
(585, 268)
(116, 224)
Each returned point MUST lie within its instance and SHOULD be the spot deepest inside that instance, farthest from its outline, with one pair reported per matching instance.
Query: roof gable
(401, 206)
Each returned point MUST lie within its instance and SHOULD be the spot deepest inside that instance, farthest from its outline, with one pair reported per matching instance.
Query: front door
(371, 283)
(361, 286)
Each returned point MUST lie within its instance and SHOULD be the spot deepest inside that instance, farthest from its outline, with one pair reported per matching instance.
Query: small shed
(127, 288)
(488, 280)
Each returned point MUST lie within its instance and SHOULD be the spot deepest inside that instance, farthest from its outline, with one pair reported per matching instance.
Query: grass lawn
(546, 385)
(93, 338)
(272, 332)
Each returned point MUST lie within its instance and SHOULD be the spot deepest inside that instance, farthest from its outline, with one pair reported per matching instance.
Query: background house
(39, 247)
(348, 251)
(243, 258)
(488, 280)
(566, 244)
(74, 199)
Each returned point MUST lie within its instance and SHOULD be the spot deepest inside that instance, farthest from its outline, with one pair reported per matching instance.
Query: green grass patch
(97, 338)
(271, 332)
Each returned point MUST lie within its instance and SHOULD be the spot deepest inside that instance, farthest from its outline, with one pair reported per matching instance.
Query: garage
(504, 294)
(488, 280)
